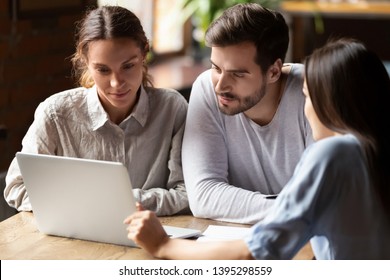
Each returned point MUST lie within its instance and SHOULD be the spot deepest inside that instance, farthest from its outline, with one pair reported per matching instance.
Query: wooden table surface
(21, 239)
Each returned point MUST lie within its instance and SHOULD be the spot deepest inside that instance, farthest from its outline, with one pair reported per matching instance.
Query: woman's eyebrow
(98, 64)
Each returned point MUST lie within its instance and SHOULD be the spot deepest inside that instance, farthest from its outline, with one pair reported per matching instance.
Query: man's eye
(216, 69)
(238, 75)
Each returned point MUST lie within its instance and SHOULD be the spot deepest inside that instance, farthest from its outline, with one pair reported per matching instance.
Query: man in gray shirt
(245, 128)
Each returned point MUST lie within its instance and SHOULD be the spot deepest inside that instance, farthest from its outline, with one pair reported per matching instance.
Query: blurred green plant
(203, 12)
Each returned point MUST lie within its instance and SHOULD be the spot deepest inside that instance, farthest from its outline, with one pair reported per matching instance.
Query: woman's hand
(145, 230)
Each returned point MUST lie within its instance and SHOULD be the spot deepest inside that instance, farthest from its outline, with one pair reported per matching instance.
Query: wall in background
(34, 64)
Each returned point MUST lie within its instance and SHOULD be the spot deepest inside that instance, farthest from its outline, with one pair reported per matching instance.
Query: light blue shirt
(329, 201)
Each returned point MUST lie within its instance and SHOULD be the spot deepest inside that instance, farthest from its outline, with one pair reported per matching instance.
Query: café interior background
(37, 40)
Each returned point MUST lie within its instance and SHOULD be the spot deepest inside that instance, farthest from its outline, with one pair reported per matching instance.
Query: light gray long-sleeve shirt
(230, 162)
(73, 123)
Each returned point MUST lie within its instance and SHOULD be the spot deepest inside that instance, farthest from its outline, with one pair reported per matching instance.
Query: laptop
(82, 198)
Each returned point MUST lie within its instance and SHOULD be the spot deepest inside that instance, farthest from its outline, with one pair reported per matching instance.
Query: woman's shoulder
(337, 150)
(69, 95)
(339, 143)
(166, 95)
(66, 100)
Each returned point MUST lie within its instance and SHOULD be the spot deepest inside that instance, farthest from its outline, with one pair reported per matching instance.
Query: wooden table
(20, 239)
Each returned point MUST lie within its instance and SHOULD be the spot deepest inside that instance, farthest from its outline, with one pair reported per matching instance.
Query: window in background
(164, 30)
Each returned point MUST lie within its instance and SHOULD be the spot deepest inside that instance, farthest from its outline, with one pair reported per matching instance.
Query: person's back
(335, 207)
(347, 194)
(245, 128)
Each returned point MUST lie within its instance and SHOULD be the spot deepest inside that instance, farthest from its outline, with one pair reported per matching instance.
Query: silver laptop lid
(78, 198)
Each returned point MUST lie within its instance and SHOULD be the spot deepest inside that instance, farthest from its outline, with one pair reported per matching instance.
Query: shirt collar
(99, 116)
(96, 111)
(141, 109)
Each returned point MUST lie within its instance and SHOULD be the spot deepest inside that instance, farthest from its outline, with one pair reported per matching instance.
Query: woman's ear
(274, 71)
(145, 53)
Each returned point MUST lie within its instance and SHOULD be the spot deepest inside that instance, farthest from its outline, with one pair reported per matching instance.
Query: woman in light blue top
(339, 195)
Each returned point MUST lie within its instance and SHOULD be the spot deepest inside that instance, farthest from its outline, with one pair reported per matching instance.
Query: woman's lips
(120, 94)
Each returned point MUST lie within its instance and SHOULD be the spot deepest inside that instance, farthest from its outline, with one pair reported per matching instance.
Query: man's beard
(244, 104)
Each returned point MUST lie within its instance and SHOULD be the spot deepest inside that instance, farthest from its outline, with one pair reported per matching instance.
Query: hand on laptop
(146, 230)
(139, 206)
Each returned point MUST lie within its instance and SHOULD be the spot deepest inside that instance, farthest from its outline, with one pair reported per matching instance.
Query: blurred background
(37, 40)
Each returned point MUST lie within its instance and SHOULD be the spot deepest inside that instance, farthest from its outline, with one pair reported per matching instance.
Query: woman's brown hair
(106, 22)
(350, 91)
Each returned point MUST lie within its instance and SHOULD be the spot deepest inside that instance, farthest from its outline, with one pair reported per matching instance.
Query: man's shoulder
(165, 94)
(294, 69)
(202, 88)
(294, 78)
(204, 77)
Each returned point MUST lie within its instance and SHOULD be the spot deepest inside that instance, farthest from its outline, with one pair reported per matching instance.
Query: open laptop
(82, 198)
